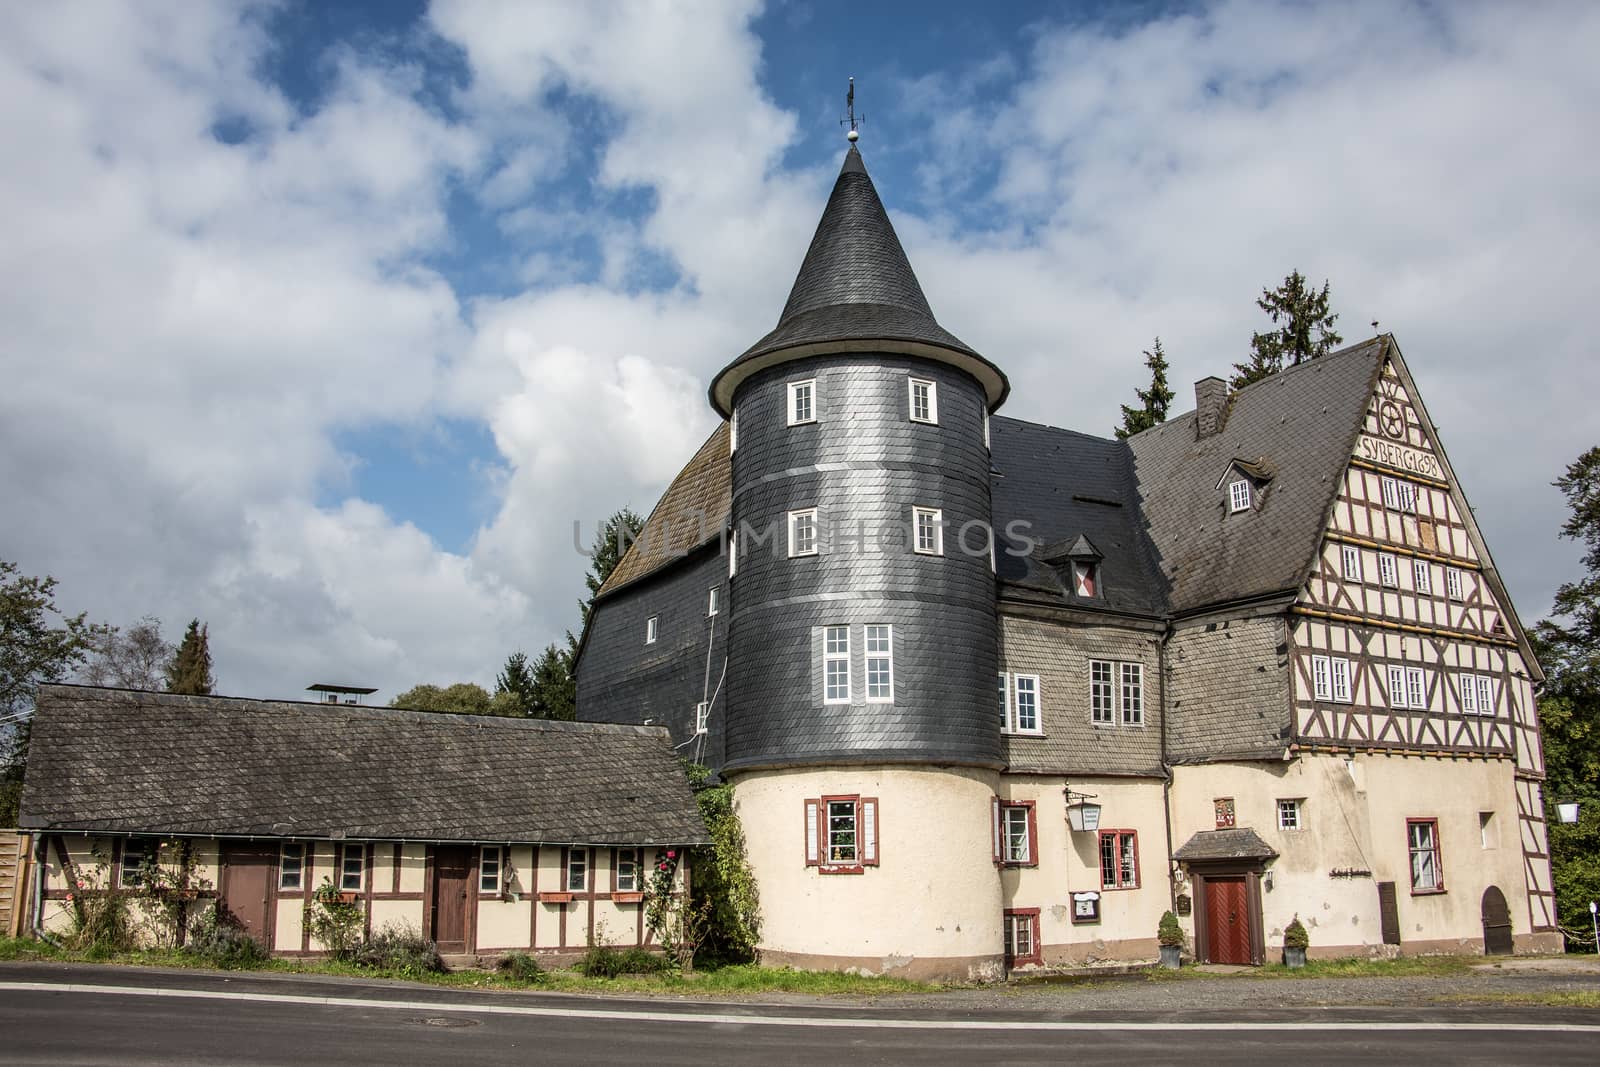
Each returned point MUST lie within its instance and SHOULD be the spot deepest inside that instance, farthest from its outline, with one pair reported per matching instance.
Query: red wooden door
(247, 887)
(452, 875)
(1228, 920)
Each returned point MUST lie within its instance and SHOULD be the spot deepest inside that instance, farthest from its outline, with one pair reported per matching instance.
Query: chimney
(1210, 402)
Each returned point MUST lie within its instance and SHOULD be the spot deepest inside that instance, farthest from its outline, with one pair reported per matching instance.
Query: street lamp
(1082, 816)
(1567, 811)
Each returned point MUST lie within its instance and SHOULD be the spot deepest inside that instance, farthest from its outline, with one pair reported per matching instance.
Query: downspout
(1166, 784)
(40, 873)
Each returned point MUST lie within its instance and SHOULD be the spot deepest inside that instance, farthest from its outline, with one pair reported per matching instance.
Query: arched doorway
(1496, 923)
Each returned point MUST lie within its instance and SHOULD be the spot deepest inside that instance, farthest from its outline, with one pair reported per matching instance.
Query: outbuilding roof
(125, 761)
(1240, 843)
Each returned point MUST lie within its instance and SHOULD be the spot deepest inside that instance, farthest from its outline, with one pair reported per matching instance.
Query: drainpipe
(1166, 784)
(40, 873)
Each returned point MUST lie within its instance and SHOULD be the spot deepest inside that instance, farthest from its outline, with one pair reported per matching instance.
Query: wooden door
(247, 879)
(452, 882)
(1228, 920)
(1496, 923)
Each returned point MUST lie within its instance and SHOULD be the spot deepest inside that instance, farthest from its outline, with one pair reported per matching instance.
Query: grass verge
(727, 981)
(1553, 998)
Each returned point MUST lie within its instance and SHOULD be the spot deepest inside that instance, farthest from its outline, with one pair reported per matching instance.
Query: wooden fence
(15, 881)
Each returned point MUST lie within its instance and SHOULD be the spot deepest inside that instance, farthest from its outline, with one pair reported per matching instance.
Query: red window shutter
(813, 832)
(994, 824)
(1033, 837)
(867, 819)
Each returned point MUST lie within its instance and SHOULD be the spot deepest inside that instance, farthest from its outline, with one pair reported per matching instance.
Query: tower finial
(850, 113)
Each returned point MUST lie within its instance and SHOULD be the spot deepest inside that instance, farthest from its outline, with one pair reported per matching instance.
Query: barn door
(1496, 923)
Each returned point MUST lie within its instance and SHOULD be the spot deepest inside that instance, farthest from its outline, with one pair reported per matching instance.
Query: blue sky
(327, 321)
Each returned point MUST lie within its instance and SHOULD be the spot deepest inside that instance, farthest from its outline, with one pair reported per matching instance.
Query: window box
(348, 897)
(627, 898)
(555, 898)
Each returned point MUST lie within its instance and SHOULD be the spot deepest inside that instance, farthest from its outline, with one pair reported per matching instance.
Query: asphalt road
(81, 1015)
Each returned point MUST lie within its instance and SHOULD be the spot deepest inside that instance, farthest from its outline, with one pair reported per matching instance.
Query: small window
(1132, 694)
(929, 531)
(1086, 579)
(1423, 575)
(733, 553)
(1005, 705)
(880, 664)
(1101, 706)
(1416, 691)
(702, 717)
(1388, 570)
(577, 870)
(924, 401)
(1452, 583)
(291, 865)
(1469, 693)
(652, 629)
(1488, 833)
(629, 863)
(842, 834)
(836, 665)
(1223, 806)
(713, 595)
(1289, 815)
(802, 402)
(1026, 688)
(1391, 494)
(1408, 497)
(489, 863)
(1397, 687)
(138, 856)
(353, 868)
(1350, 557)
(842, 843)
(1341, 679)
(1239, 495)
(733, 432)
(1321, 678)
(1486, 700)
(1022, 937)
(1119, 859)
(1427, 872)
(1016, 835)
(803, 532)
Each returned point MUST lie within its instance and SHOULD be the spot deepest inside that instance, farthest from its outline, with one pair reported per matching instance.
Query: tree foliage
(515, 682)
(135, 658)
(38, 644)
(1154, 401)
(1302, 330)
(555, 690)
(721, 880)
(1568, 647)
(463, 698)
(189, 672)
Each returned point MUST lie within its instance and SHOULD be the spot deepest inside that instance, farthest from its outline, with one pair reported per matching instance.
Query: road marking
(827, 1022)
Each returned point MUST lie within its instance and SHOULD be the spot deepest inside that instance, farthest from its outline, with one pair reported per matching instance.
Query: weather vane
(850, 113)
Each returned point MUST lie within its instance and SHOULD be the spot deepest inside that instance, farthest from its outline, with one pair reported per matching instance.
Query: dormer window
(802, 402)
(1086, 579)
(1239, 495)
(924, 401)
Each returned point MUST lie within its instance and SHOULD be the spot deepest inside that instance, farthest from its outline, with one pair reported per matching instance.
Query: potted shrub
(1295, 940)
(1170, 936)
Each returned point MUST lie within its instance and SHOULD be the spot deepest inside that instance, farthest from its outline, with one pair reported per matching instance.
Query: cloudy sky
(324, 323)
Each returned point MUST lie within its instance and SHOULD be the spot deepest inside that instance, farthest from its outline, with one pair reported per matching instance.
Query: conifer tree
(1303, 329)
(555, 690)
(611, 543)
(515, 683)
(1154, 401)
(190, 670)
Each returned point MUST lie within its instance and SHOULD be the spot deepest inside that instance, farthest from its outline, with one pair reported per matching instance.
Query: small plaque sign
(1086, 907)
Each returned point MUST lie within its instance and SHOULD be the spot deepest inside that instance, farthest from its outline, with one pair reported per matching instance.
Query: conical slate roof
(855, 292)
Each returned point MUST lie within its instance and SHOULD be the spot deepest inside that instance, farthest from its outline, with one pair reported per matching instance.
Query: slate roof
(123, 761)
(855, 285)
(1300, 425)
(1239, 843)
(693, 510)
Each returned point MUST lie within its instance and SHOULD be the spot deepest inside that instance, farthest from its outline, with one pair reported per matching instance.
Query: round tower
(862, 734)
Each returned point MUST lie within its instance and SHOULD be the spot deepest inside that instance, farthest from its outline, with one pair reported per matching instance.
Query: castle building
(994, 695)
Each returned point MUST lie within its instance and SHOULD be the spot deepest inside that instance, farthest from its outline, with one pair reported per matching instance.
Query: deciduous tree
(135, 658)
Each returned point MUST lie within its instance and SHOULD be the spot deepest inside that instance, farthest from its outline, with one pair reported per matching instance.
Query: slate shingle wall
(1072, 744)
(1228, 691)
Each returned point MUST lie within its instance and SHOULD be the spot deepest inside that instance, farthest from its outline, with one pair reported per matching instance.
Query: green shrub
(100, 922)
(601, 961)
(642, 961)
(1294, 935)
(401, 948)
(218, 939)
(522, 967)
(333, 921)
(1169, 933)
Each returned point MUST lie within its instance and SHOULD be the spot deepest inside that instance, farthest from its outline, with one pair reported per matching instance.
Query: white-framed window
(652, 629)
(1289, 814)
(1350, 558)
(803, 532)
(491, 859)
(1391, 494)
(713, 596)
(929, 523)
(924, 399)
(1469, 693)
(628, 863)
(1102, 706)
(138, 856)
(577, 870)
(702, 717)
(836, 664)
(733, 553)
(291, 865)
(353, 867)
(1016, 835)
(1453, 583)
(1388, 570)
(1239, 495)
(880, 663)
(1486, 699)
(1408, 497)
(986, 431)
(1005, 704)
(1423, 575)
(1340, 668)
(733, 431)
(1132, 694)
(1416, 691)
(1422, 838)
(841, 833)
(802, 402)
(1025, 697)
(1397, 686)
(843, 837)
(1407, 687)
